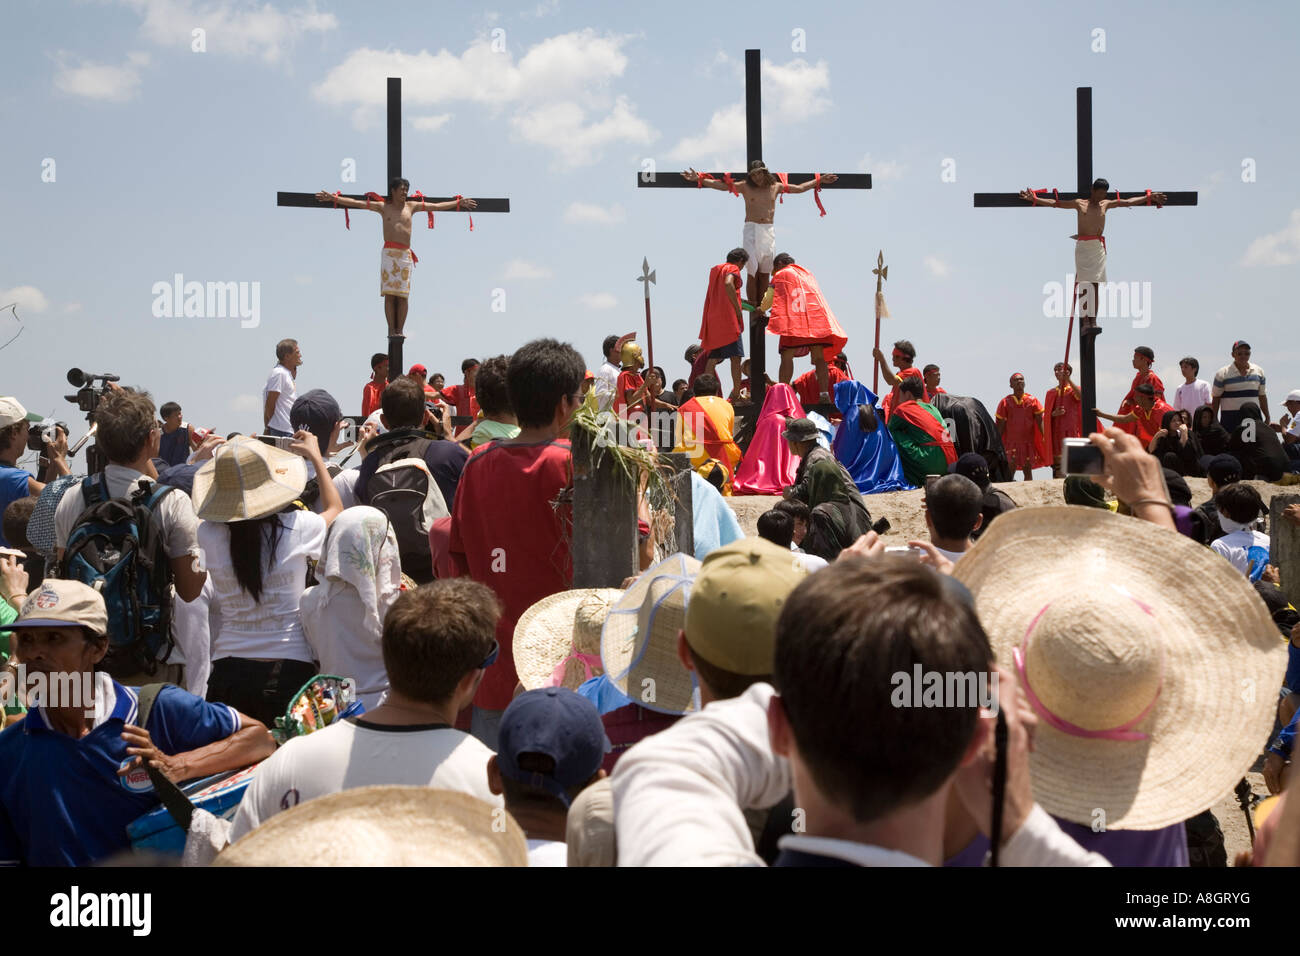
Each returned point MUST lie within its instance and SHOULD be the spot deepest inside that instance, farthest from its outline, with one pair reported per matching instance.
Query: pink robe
(768, 465)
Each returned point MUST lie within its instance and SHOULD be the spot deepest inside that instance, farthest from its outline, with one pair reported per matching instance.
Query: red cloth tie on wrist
(347, 220)
(731, 184)
(785, 186)
(817, 189)
(420, 196)
(459, 197)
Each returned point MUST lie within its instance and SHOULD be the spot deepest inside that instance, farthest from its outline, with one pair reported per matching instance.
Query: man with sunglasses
(438, 642)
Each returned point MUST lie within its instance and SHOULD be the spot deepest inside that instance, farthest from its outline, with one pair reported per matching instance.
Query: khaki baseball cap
(60, 603)
(11, 410)
(738, 595)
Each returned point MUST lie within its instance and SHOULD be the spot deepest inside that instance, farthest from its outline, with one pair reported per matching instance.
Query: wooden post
(1284, 546)
(683, 503)
(604, 544)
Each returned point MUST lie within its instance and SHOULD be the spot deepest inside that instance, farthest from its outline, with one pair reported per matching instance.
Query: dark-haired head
(706, 384)
(543, 374)
(737, 256)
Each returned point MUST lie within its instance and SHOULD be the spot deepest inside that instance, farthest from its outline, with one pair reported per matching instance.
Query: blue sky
(167, 161)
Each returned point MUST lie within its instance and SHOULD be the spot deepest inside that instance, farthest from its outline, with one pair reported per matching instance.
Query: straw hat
(247, 479)
(558, 627)
(385, 826)
(1152, 664)
(638, 645)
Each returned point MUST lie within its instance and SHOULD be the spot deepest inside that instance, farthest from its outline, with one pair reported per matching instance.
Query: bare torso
(760, 201)
(1092, 216)
(397, 222)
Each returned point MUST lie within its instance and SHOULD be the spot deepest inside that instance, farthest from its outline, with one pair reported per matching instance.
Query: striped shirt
(1233, 389)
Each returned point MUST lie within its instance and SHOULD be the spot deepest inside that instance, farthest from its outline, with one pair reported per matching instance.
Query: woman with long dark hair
(1173, 444)
(258, 543)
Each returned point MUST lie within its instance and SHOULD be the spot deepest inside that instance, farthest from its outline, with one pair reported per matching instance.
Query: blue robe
(870, 457)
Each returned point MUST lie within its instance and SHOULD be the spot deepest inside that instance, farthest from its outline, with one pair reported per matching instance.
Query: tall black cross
(753, 151)
(309, 200)
(1083, 141)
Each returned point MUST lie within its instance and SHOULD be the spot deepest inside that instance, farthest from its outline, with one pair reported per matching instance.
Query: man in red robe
(1063, 408)
(904, 356)
(721, 328)
(1146, 415)
(931, 376)
(704, 428)
(804, 321)
(1020, 421)
(1143, 358)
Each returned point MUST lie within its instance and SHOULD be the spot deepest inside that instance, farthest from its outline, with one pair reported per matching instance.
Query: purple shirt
(1164, 847)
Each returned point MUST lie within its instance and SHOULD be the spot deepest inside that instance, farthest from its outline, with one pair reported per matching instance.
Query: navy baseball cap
(974, 466)
(1224, 469)
(557, 723)
(316, 411)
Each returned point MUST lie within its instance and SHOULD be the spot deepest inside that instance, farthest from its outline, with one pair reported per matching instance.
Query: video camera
(40, 434)
(88, 393)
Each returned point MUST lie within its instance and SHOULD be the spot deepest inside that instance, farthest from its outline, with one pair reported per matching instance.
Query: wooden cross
(753, 151)
(1083, 164)
(309, 200)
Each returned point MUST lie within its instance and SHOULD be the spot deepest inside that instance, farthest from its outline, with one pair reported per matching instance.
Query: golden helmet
(631, 356)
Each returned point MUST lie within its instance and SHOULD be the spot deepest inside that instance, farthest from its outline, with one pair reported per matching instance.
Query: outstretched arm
(1043, 200)
(1157, 199)
(691, 176)
(346, 203)
(1126, 417)
(451, 205)
(827, 179)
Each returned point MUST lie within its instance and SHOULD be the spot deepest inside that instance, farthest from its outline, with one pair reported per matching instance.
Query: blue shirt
(61, 800)
(13, 485)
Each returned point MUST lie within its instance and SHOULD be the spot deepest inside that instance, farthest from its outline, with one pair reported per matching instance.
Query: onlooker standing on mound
(281, 390)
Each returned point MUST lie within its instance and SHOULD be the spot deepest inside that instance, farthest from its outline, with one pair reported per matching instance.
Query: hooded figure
(343, 617)
(863, 444)
(976, 431)
(1180, 456)
(1211, 438)
(768, 465)
(1257, 446)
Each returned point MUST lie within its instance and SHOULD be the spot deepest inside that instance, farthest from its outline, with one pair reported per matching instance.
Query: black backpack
(403, 488)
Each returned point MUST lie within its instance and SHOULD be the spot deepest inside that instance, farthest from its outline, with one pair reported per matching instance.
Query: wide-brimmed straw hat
(1152, 664)
(247, 479)
(385, 826)
(638, 645)
(562, 628)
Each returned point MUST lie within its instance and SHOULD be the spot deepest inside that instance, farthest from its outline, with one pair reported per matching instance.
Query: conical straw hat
(247, 479)
(557, 627)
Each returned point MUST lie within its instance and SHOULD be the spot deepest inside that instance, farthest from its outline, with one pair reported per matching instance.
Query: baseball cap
(1240, 344)
(418, 369)
(63, 603)
(557, 723)
(737, 597)
(316, 411)
(973, 466)
(11, 410)
(800, 429)
(1292, 396)
(1224, 469)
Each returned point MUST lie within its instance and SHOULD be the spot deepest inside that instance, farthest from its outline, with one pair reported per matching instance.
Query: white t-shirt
(953, 556)
(606, 381)
(548, 853)
(1247, 549)
(345, 483)
(175, 512)
(271, 628)
(280, 380)
(1192, 395)
(193, 624)
(354, 753)
(1294, 428)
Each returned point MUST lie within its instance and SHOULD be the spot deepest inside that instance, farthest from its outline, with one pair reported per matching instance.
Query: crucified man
(396, 258)
(1089, 243)
(760, 189)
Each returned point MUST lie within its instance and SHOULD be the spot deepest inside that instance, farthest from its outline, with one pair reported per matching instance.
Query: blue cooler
(157, 832)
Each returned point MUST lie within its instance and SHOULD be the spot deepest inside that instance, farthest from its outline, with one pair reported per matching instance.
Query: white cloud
(245, 403)
(598, 300)
(72, 307)
(595, 213)
(543, 9)
(557, 94)
(430, 124)
(26, 297)
(1281, 248)
(522, 269)
(938, 268)
(792, 92)
(99, 81)
(233, 28)
(882, 169)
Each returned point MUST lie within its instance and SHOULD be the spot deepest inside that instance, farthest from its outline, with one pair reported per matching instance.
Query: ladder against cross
(753, 151)
(309, 200)
(1084, 180)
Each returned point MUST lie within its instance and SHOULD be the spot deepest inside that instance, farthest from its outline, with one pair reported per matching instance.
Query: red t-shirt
(371, 397)
(462, 397)
(629, 380)
(507, 531)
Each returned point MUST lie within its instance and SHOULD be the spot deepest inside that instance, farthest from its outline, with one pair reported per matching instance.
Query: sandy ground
(906, 516)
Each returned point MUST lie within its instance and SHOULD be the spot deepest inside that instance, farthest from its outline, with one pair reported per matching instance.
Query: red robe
(890, 400)
(721, 326)
(629, 380)
(805, 386)
(1130, 403)
(1148, 423)
(800, 315)
(1024, 440)
(1069, 425)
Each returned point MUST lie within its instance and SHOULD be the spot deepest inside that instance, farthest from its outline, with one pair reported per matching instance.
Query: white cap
(1292, 396)
(11, 410)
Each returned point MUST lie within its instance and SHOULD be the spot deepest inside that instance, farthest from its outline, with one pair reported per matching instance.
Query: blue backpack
(117, 548)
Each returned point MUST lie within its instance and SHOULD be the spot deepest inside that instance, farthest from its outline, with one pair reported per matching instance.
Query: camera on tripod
(42, 433)
(88, 393)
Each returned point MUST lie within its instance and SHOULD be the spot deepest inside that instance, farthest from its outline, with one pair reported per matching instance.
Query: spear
(881, 272)
(647, 276)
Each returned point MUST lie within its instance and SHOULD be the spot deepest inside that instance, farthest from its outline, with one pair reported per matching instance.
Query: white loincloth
(1089, 260)
(760, 242)
(395, 272)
